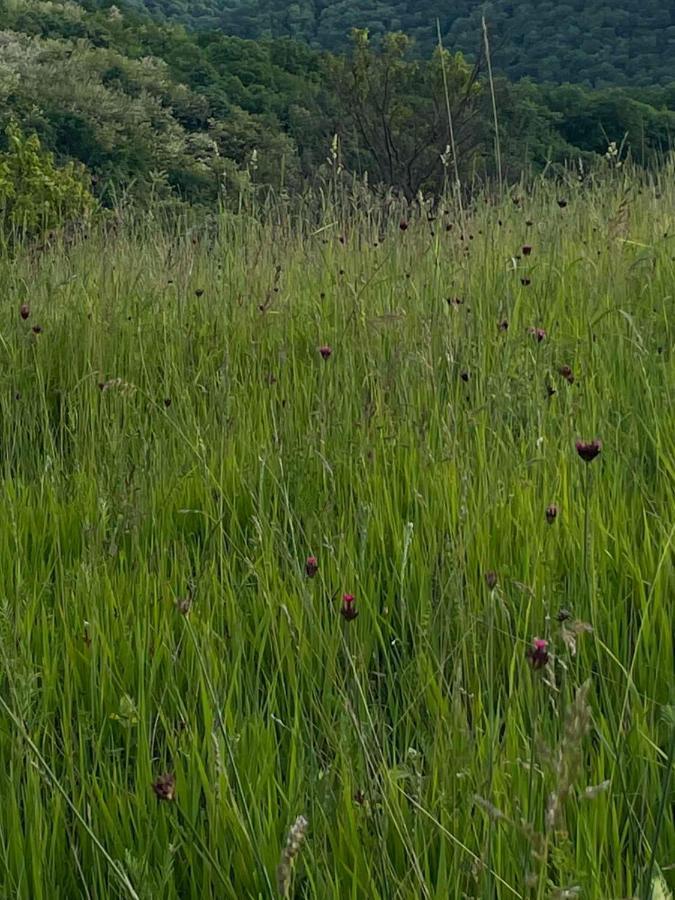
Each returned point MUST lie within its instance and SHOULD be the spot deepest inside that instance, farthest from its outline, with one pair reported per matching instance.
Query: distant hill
(597, 44)
(153, 110)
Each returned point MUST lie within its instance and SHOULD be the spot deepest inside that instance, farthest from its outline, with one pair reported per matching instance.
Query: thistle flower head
(491, 580)
(551, 513)
(538, 654)
(588, 450)
(165, 787)
(348, 610)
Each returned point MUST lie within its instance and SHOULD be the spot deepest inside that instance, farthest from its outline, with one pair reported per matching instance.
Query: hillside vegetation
(154, 112)
(629, 42)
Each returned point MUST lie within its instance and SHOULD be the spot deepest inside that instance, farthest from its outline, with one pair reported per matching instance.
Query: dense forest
(598, 44)
(146, 109)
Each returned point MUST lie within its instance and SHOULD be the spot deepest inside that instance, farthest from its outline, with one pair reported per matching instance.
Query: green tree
(35, 194)
(396, 109)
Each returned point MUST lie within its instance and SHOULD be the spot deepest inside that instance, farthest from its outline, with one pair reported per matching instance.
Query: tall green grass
(173, 448)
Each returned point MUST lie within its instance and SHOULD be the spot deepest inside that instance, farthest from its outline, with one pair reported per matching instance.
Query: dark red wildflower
(563, 614)
(167, 402)
(491, 580)
(359, 797)
(348, 611)
(24, 311)
(199, 292)
(567, 374)
(527, 249)
(562, 203)
(538, 653)
(165, 787)
(504, 325)
(537, 333)
(325, 351)
(37, 329)
(551, 513)
(529, 223)
(448, 227)
(403, 225)
(525, 281)
(588, 450)
(464, 376)
(311, 566)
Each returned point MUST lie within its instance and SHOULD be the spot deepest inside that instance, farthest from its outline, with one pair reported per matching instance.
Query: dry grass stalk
(568, 756)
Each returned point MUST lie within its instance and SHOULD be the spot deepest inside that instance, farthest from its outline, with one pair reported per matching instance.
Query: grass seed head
(294, 842)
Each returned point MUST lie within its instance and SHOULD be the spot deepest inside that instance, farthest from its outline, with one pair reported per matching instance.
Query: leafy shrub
(36, 194)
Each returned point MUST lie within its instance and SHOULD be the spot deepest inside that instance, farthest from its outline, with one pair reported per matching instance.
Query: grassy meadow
(178, 684)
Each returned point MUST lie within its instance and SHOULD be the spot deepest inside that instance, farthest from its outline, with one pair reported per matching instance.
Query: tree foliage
(35, 194)
(396, 108)
(155, 111)
(624, 42)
